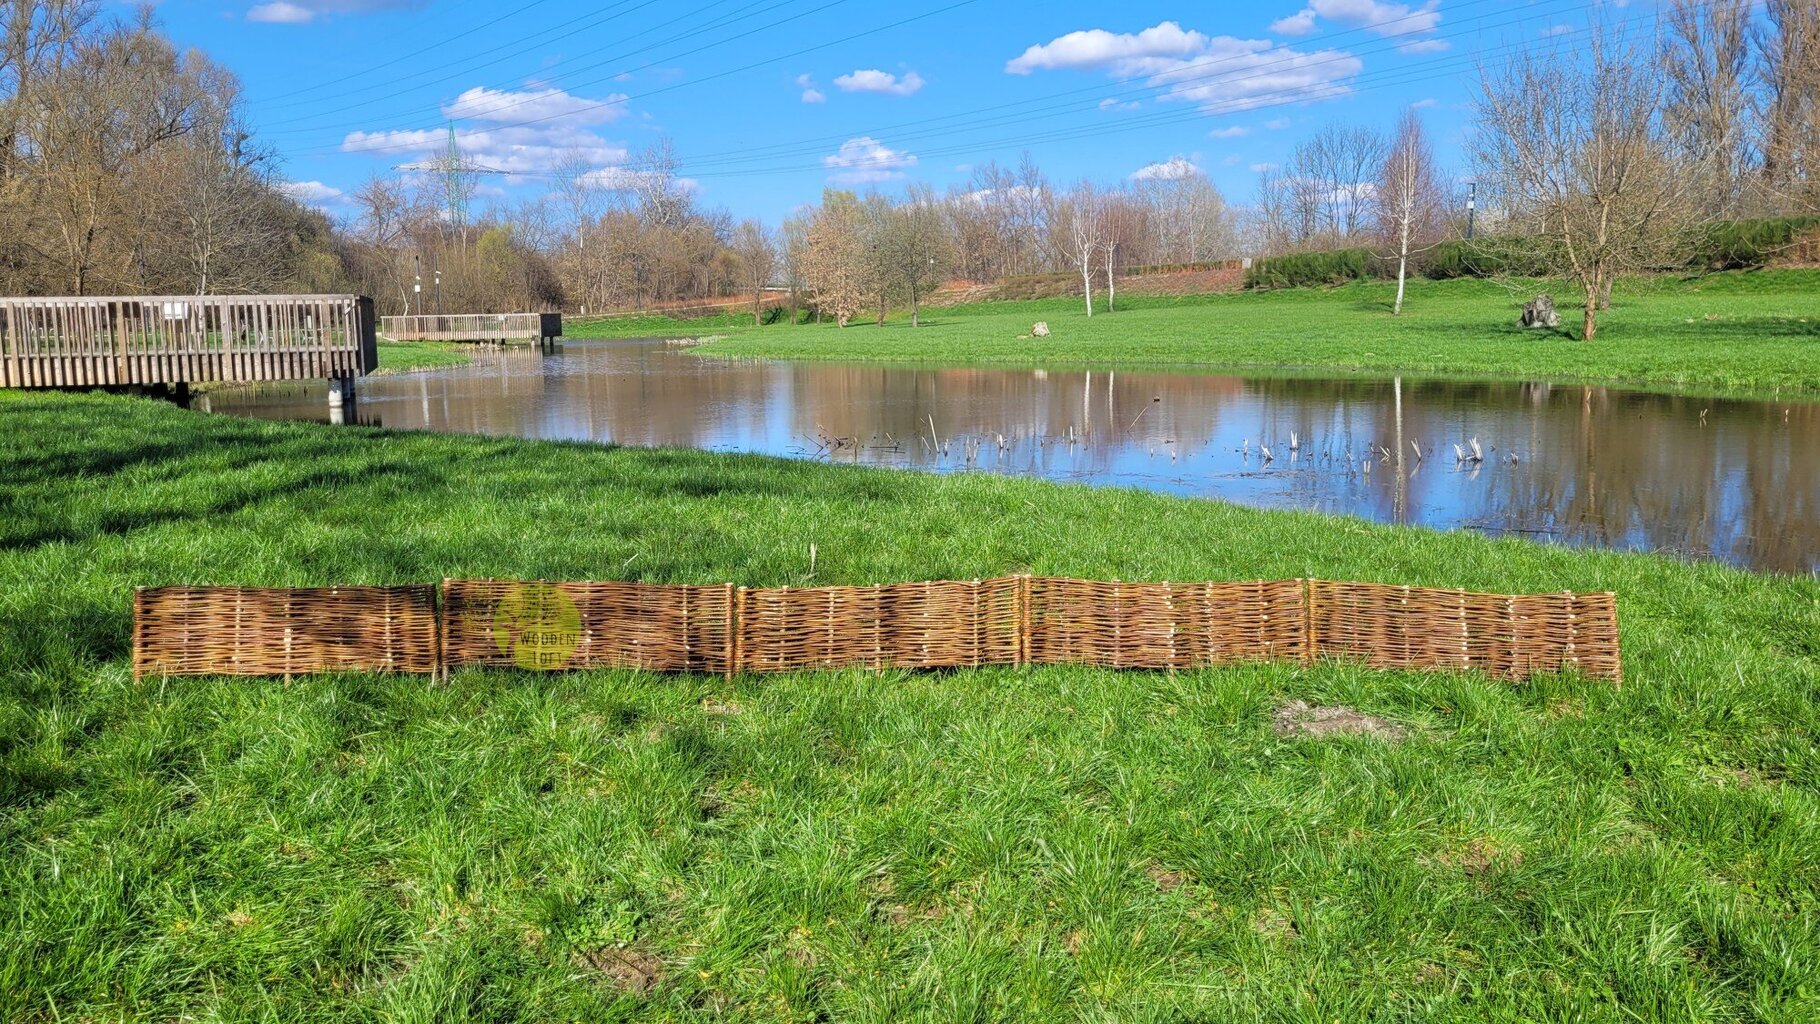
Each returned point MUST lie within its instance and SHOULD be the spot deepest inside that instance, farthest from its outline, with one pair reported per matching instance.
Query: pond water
(1709, 478)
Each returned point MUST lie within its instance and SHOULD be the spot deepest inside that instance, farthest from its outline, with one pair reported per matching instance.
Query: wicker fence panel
(1164, 625)
(1512, 637)
(940, 624)
(257, 631)
(654, 627)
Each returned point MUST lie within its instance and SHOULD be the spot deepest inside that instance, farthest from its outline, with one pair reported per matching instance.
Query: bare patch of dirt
(716, 706)
(1166, 880)
(629, 970)
(1298, 718)
(1482, 856)
(1272, 923)
(1429, 973)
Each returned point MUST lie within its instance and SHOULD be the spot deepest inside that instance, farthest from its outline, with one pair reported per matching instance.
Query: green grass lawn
(1056, 843)
(1756, 331)
(405, 356)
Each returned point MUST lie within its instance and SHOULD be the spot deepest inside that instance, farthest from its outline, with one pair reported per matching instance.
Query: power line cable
(496, 57)
(696, 81)
(619, 71)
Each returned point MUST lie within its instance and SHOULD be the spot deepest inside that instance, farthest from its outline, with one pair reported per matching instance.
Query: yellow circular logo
(537, 626)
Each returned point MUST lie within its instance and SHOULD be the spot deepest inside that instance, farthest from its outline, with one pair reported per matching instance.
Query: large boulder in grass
(1040, 329)
(1540, 312)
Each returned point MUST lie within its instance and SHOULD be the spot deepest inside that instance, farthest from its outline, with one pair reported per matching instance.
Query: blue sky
(768, 101)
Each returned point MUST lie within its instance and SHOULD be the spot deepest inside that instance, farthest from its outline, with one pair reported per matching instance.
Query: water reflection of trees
(1595, 466)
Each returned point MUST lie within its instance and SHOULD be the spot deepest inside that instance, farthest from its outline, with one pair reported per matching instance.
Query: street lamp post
(438, 291)
(1472, 206)
(417, 285)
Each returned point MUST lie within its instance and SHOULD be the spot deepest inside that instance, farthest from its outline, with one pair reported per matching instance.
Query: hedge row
(1726, 245)
(1310, 269)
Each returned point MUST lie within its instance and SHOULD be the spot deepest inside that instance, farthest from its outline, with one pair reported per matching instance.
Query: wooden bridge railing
(184, 339)
(473, 327)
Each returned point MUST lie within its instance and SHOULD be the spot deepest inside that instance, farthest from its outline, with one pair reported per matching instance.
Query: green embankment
(405, 356)
(1755, 331)
(1058, 843)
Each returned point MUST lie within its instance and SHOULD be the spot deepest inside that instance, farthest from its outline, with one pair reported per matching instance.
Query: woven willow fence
(255, 631)
(1020, 620)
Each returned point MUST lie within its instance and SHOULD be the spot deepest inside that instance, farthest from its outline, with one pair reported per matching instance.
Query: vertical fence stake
(1023, 620)
(739, 629)
(732, 631)
(1308, 631)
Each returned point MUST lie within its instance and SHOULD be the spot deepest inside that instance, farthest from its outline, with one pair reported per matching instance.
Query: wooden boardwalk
(542, 328)
(184, 339)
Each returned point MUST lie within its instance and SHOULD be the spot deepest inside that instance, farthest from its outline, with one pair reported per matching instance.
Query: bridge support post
(341, 395)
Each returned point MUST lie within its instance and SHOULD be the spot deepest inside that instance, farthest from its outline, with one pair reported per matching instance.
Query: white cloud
(1220, 73)
(621, 177)
(507, 148)
(1261, 168)
(1277, 124)
(1424, 46)
(865, 159)
(1558, 30)
(1386, 19)
(562, 131)
(1172, 169)
(1111, 104)
(302, 12)
(1234, 132)
(811, 94)
(1014, 194)
(1423, 104)
(1298, 24)
(312, 193)
(874, 80)
(483, 104)
(281, 14)
(1098, 48)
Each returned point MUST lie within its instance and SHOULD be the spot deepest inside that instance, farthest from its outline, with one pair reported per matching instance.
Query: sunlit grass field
(1753, 331)
(405, 356)
(1059, 843)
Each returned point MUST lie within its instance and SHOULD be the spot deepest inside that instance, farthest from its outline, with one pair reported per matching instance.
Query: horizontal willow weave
(1018, 620)
(262, 631)
(652, 626)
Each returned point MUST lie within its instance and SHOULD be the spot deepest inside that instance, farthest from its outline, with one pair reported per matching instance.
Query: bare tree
(214, 205)
(122, 92)
(1329, 183)
(662, 197)
(1409, 197)
(1707, 63)
(1076, 222)
(757, 252)
(1124, 229)
(793, 248)
(915, 246)
(1187, 219)
(1576, 147)
(1790, 72)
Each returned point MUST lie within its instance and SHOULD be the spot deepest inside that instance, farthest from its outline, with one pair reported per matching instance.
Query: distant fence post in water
(178, 340)
(501, 328)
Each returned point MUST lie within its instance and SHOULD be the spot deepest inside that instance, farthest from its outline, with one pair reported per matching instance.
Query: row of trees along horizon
(128, 167)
